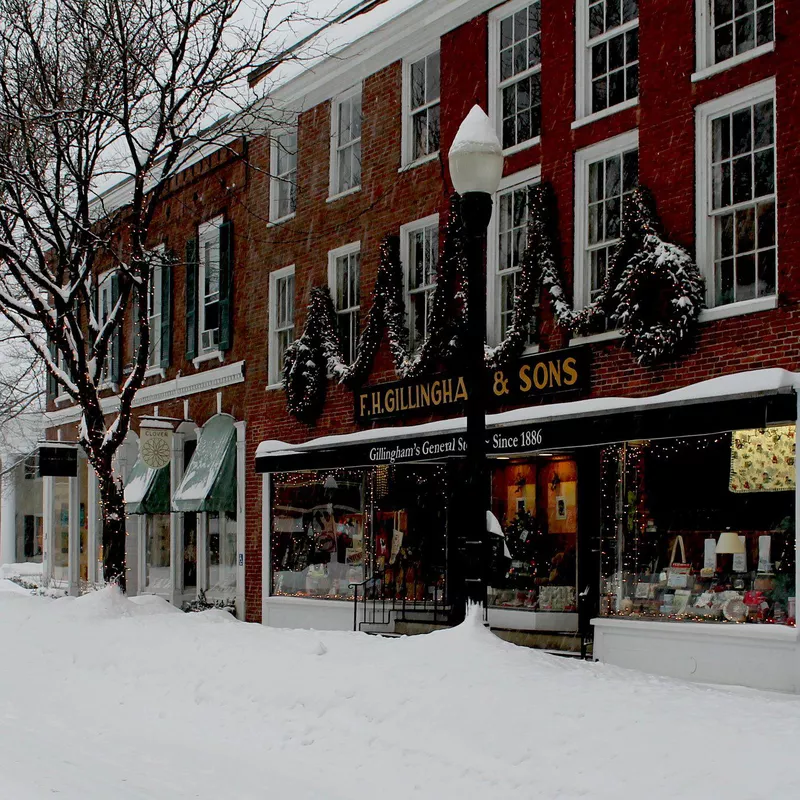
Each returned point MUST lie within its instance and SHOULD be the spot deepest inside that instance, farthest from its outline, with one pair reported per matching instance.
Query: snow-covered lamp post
(476, 167)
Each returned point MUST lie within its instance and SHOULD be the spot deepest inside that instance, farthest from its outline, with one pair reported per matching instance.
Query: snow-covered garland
(317, 353)
(652, 290)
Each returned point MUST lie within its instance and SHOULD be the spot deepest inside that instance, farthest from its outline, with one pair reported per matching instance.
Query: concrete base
(304, 612)
(758, 656)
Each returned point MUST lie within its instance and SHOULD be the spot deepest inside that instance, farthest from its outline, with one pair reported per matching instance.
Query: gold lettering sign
(519, 383)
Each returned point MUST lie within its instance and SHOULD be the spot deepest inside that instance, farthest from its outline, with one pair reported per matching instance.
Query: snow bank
(99, 699)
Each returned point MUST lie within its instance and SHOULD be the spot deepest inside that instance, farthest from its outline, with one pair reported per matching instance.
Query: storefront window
(318, 533)
(190, 551)
(83, 469)
(701, 528)
(61, 529)
(157, 577)
(222, 552)
(535, 502)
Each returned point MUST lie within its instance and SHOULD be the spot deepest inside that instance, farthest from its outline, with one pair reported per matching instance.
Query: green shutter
(52, 383)
(166, 312)
(191, 299)
(225, 285)
(136, 339)
(116, 338)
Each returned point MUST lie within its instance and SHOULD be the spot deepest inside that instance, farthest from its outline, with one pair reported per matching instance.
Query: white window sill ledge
(688, 628)
(280, 221)
(419, 162)
(606, 112)
(108, 386)
(271, 387)
(210, 356)
(319, 602)
(61, 399)
(334, 197)
(518, 148)
(742, 58)
(737, 309)
(606, 336)
(155, 372)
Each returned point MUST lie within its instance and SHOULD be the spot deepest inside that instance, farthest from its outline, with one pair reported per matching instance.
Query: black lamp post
(476, 167)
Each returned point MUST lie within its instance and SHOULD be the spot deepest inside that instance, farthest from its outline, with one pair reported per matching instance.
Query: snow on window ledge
(419, 162)
(209, 356)
(281, 220)
(334, 197)
(737, 309)
(517, 148)
(605, 336)
(606, 112)
(152, 372)
(61, 399)
(734, 61)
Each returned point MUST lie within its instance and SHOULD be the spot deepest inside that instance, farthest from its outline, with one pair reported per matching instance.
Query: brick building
(614, 497)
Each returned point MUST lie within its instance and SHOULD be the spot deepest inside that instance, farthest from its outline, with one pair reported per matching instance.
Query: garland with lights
(317, 352)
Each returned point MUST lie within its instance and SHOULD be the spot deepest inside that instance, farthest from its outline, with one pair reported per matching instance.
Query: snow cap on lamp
(729, 542)
(476, 157)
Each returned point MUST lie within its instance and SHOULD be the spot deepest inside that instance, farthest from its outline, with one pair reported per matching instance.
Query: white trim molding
(273, 371)
(405, 254)
(333, 256)
(407, 161)
(704, 238)
(334, 191)
(181, 386)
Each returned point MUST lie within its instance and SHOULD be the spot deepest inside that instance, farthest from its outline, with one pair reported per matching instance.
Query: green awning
(147, 490)
(209, 483)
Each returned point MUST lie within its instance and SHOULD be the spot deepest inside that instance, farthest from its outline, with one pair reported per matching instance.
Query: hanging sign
(560, 372)
(155, 445)
(57, 460)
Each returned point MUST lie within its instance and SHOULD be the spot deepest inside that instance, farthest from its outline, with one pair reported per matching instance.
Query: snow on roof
(756, 382)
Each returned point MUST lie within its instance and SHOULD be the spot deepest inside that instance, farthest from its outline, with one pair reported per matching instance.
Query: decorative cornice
(182, 386)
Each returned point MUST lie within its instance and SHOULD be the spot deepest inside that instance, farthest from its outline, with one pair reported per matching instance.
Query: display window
(60, 561)
(221, 558)
(701, 528)
(190, 550)
(535, 558)
(157, 567)
(333, 528)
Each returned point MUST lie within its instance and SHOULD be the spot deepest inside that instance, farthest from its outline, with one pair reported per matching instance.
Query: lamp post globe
(476, 167)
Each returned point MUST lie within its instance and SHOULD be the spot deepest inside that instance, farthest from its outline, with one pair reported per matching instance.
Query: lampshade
(476, 157)
(729, 542)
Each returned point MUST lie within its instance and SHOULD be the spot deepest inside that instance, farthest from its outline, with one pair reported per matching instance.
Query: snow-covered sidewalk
(103, 696)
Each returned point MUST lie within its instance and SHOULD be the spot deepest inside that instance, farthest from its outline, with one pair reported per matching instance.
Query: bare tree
(94, 92)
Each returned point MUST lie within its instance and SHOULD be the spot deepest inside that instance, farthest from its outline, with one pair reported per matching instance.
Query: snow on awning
(147, 490)
(209, 483)
(747, 399)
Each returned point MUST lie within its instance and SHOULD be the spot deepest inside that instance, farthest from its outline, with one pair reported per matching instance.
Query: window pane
(766, 273)
(745, 230)
(723, 43)
(766, 224)
(742, 179)
(765, 26)
(765, 172)
(432, 89)
(745, 277)
(418, 84)
(764, 124)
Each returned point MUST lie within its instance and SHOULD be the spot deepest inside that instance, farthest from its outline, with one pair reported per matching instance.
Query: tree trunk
(112, 507)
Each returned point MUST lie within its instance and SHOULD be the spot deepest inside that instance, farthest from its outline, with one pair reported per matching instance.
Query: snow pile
(102, 697)
(25, 570)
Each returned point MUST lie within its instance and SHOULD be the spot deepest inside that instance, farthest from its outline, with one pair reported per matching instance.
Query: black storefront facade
(612, 522)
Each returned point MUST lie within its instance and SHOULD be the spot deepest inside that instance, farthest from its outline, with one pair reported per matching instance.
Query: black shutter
(166, 311)
(225, 285)
(116, 339)
(191, 299)
(135, 338)
(52, 383)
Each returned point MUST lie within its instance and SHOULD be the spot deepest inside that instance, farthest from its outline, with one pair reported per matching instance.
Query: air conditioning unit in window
(210, 339)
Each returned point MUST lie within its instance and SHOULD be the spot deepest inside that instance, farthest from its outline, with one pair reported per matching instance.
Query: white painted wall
(8, 518)
(759, 656)
(302, 612)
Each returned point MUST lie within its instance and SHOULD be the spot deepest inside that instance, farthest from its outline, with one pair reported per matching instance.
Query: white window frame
(274, 374)
(704, 36)
(405, 253)
(493, 273)
(154, 356)
(333, 189)
(104, 289)
(495, 84)
(206, 232)
(605, 149)
(333, 256)
(583, 65)
(407, 130)
(277, 180)
(704, 237)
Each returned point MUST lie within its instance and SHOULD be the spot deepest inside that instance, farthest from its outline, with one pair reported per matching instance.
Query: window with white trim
(419, 252)
(515, 68)
(736, 27)
(346, 143)
(283, 172)
(344, 278)
(105, 305)
(511, 231)
(605, 176)
(281, 319)
(208, 285)
(737, 222)
(155, 306)
(608, 54)
(421, 100)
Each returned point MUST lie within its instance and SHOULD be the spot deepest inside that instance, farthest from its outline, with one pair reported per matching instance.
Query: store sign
(155, 446)
(422, 449)
(58, 460)
(527, 380)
